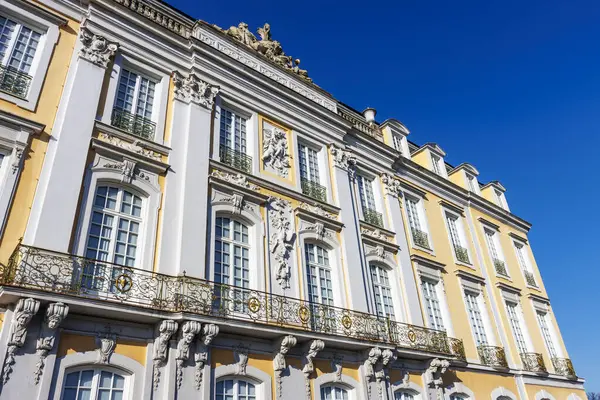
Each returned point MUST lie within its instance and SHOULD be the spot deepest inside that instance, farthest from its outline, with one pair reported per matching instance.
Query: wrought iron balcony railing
(373, 217)
(457, 348)
(132, 123)
(420, 238)
(313, 189)
(235, 158)
(48, 271)
(500, 267)
(529, 278)
(462, 254)
(14, 81)
(533, 362)
(492, 356)
(564, 367)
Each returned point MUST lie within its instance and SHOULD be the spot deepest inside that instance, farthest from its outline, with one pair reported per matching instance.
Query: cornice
(469, 276)
(30, 126)
(489, 223)
(467, 167)
(517, 237)
(159, 148)
(34, 9)
(508, 288)
(427, 261)
(538, 298)
(453, 207)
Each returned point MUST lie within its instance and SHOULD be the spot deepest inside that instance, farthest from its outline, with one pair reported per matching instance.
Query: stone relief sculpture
(388, 356)
(343, 159)
(55, 314)
(238, 180)
(312, 350)
(391, 185)
(24, 312)
(318, 210)
(166, 329)
(209, 331)
(275, 151)
(279, 364)
(375, 234)
(433, 375)
(282, 238)
(189, 330)
(269, 48)
(373, 357)
(336, 365)
(106, 347)
(96, 49)
(241, 356)
(193, 89)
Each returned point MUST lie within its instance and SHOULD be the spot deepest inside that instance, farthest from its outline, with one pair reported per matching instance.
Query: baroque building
(186, 215)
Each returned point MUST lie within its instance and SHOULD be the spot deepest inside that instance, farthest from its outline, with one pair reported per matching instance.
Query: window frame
(524, 263)
(252, 128)
(338, 299)
(127, 386)
(423, 220)
(436, 291)
(236, 379)
(333, 386)
(462, 236)
(472, 183)
(495, 240)
(434, 274)
(391, 278)
(522, 327)
(45, 23)
(544, 316)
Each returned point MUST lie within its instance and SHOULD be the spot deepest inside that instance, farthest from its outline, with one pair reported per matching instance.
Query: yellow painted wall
(44, 113)
(262, 362)
(458, 178)
(396, 375)
(488, 194)
(72, 343)
(423, 158)
(482, 384)
(558, 393)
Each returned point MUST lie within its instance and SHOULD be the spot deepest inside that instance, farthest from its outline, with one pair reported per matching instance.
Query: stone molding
(209, 332)
(192, 89)
(189, 330)
(22, 315)
(311, 350)
(96, 49)
(55, 314)
(165, 329)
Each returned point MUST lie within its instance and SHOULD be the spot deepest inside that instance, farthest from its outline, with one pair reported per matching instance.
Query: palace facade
(186, 215)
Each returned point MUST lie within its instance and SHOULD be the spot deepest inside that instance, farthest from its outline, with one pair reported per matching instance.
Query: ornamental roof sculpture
(269, 48)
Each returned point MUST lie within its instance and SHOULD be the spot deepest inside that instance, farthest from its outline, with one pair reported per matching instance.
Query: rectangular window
(499, 199)
(18, 45)
(133, 104)
(367, 201)
(232, 141)
(436, 161)
(497, 260)
(473, 185)
(460, 251)
(515, 324)
(420, 237)
(397, 141)
(309, 173)
(475, 318)
(320, 284)
(382, 292)
(433, 304)
(542, 320)
(521, 256)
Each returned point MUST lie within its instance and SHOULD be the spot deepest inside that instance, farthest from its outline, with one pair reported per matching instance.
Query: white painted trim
(35, 18)
(350, 384)
(502, 391)
(543, 395)
(260, 378)
(410, 387)
(396, 288)
(134, 369)
(458, 388)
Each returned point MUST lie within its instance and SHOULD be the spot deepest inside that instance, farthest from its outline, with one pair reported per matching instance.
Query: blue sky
(512, 87)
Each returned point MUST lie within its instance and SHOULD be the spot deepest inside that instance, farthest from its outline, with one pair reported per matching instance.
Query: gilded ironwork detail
(492, 356)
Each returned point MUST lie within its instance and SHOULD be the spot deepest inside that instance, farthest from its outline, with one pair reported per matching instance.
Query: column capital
(391, 185)
(195, 90)
(343, 159)
(96, 49)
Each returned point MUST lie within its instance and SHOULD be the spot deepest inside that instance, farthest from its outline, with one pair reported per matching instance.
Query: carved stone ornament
(24, 312)
(378, 251)
(319, 229)
(375, 234)
(312, 349)
(17, 158)
(137, 146)
(106, 347)
(318, 210)
(282, 238)
(336, 365)
(373, 358)
(269, 48)
(55, 314)
(127, 168)
(343, 159)
(189, 330)
(96, 49)
(209, 331)
(193, 89)
(381, 370)
(237, 202)
(241, 359)
(238, 180)
(279, 365)
(434, 376)
(391, 185)
(275, 151)
(166, 329)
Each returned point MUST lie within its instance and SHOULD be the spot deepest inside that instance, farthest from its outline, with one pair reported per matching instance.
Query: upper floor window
(476, 318)
(133, 109)
(367, 201)
(232, 140)
(491, 238)
(235, 389)
(334, 393)
(459, 397)
(18, 46)
(309, 173)
(513, 316)
(382, 291)
(403, 395)
(416, 221)
(524, 264)
(113, 236)
(432, 303)
(318, 273)
(543, 322)
(457, 238)
(232, 253)
(94, 384)
(498, 197)
(437, 164)
(473, 184)
(397, 142)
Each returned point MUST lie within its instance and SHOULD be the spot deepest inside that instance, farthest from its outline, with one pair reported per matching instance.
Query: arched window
(503, 398)
(403, 395)
(459, 396)
(94, 384)
(382, 292)
(113, 235)
(334, 393)
(318, 271)
(235, 389)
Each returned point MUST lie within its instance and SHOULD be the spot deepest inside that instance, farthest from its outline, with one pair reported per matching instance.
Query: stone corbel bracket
(192, 89)
(388, 356)
(240, 354)
(282, 347)
(24, 312)
(96, 49)
(189, 330)
(209, 331)
(165, 329)
(434, 376)
(106, 347)
(372, 358)
(343, 159)
(311, 350)
(55, 314)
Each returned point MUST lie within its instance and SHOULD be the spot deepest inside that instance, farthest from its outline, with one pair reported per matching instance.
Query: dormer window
(499, 198)
(436, 164)
(397, 139)
(473, 185)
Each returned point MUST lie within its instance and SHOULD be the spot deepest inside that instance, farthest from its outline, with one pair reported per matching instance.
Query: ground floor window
(94, 384)
(235, 389)
(334, 393)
